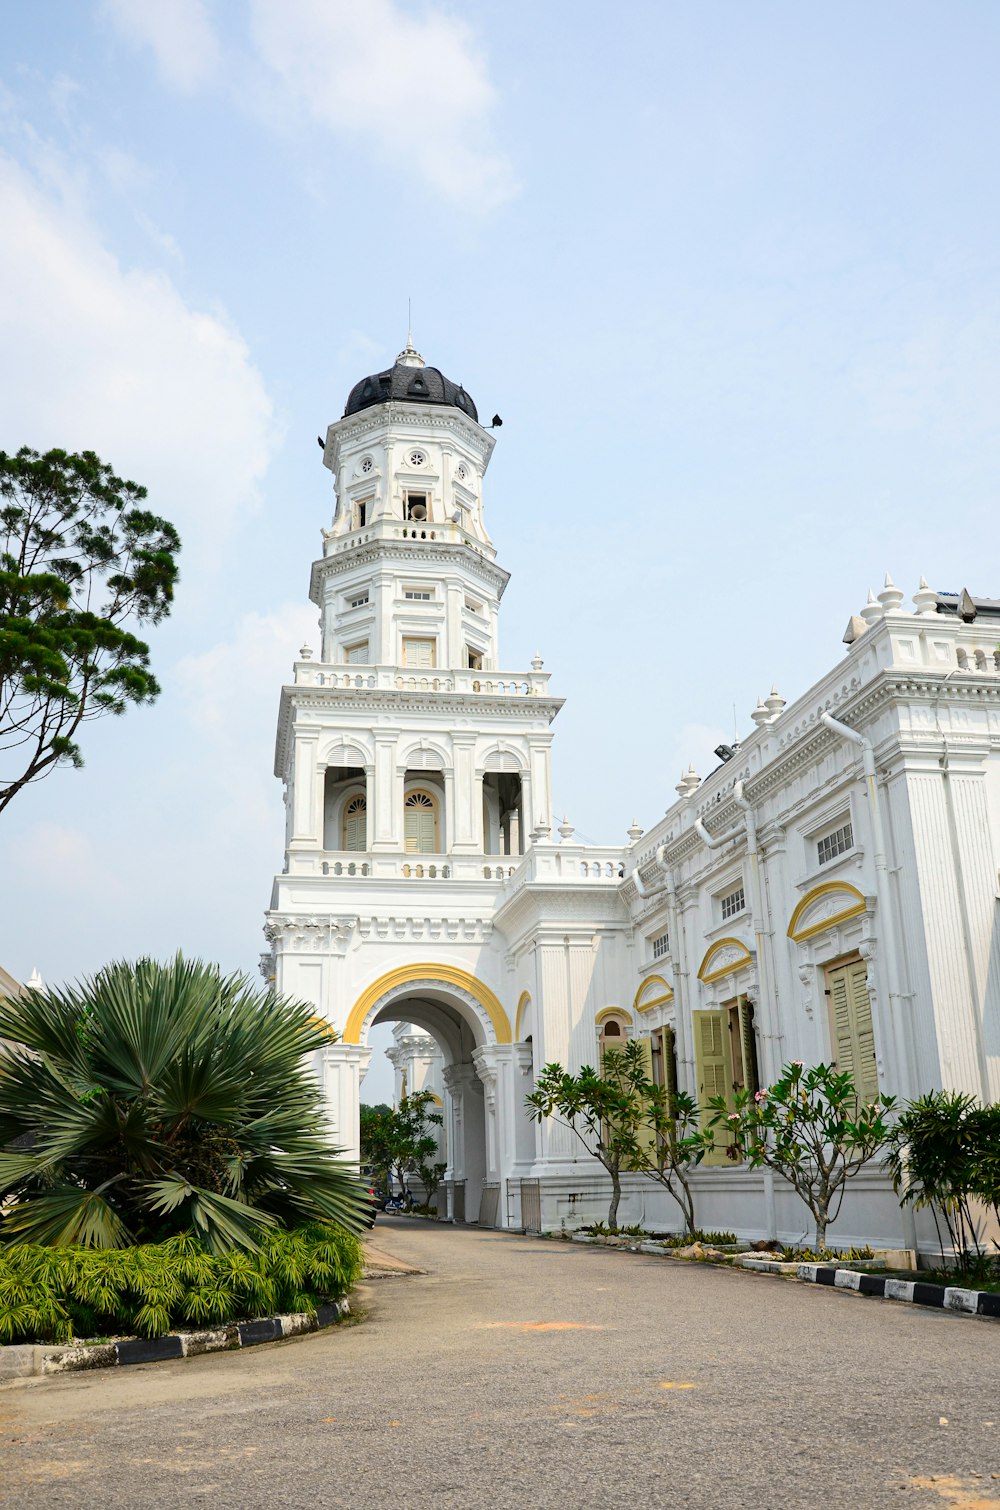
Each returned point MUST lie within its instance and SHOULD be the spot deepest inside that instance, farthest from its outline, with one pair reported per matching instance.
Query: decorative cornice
(472, 557)
(483, 706)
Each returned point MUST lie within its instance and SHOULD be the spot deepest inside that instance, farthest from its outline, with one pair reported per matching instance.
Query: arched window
(612, 1034)
(420, 824)
(356, 823)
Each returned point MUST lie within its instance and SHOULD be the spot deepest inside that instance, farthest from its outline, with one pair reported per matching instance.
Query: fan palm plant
(160, 1098)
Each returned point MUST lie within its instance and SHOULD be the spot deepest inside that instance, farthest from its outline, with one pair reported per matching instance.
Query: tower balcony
(352, 866)
(515, 684)
(396, 531)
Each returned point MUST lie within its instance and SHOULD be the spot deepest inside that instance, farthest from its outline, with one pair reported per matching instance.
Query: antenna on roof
(409, 321)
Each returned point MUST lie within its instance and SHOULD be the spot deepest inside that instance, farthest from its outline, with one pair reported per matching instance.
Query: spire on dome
(409, 356)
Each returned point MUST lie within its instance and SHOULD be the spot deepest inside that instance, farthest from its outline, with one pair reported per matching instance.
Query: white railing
(399, 679)
(346, 865)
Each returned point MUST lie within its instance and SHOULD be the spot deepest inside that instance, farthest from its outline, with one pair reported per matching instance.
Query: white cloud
(179, 32)
(416, 85)
(62, 860)
(114, 359)
(229, 695)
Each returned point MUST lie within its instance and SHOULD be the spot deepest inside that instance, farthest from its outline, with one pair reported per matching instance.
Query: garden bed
(25, 1360)
(863, 1276)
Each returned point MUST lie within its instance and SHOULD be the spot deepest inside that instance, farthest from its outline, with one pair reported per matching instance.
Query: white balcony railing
(400, 679)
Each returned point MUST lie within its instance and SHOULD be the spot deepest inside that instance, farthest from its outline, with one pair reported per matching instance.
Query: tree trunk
(616, 1195)
(821, 1214)
(687, 1205)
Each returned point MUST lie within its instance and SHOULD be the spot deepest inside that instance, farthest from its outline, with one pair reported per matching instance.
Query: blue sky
(728, 271)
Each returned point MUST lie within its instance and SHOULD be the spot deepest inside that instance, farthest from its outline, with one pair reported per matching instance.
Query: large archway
(470, 1027)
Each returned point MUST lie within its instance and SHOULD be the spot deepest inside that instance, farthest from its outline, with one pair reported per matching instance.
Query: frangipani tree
(812, 1128)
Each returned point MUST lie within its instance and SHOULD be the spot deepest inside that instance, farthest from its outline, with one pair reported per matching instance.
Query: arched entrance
(469, 1025)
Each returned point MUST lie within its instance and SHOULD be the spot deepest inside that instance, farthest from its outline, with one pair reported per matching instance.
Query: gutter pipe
(881, 892)
(769, 1035)
(886, 921)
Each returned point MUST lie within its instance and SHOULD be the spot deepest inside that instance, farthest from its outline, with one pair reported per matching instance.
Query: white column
(304, 828)
(369, 806)
(386, 832)
(527, 807)
(342, 1068)
(466, 836)
(448, 837)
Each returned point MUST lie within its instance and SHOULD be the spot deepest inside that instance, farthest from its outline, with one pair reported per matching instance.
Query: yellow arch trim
(450, 974)
(523, 1004)
(663, 995)
(707, 973)
(855, 904)
(608, 1012)
(435, 1098)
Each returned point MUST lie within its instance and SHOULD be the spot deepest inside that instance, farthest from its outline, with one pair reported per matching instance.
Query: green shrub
(54, 1294)
(157, 1099)
(944, 1156)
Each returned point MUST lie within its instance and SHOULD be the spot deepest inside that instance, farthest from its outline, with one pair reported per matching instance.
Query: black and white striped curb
(23, 1362)
(913, 1291)
(883, 1286)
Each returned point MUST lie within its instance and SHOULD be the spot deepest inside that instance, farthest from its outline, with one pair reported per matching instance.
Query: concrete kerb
(859, 1279)
(32, 1360)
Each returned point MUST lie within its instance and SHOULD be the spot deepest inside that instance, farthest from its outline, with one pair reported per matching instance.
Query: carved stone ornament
(297, 933)
(807, 976)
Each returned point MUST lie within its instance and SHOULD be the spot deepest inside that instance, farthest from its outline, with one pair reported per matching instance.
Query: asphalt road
(525, 1373)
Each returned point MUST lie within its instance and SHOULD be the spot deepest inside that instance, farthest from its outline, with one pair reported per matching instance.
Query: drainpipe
(881, 890)
(684, 1052)
(659, 859)
(886, 923)
(669, 886)
(769, 1035)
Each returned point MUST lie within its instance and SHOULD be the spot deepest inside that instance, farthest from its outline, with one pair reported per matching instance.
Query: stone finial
(681, 787)
(873, 610)
(856, 627)
(305, 654)
(925, 598)
(774, 703)
(35, 982)
(891, 596)
(565, 830)
(410, 356)
(543, 830)
(760, 715)
(690, 782)
(536, 662)
(967, 609)
(634, 832)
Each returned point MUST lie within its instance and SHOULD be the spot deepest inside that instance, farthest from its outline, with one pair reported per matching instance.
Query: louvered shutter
(418, 825)
(418, 653)
(670, 1062)
(357, 655)
(356, 824)
(748, 1044)
(646, 1137)
(714, 1071)
(853, 1031)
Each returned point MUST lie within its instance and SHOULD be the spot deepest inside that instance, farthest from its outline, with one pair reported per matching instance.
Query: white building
(830, 891)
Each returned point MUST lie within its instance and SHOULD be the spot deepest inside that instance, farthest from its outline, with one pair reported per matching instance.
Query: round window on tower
(367, 464)
(417, 458)
(462, 471)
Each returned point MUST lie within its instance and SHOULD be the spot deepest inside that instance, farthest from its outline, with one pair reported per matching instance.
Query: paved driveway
(526, 1373)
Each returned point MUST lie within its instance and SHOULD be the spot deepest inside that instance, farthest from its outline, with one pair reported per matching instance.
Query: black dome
(408, 383)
